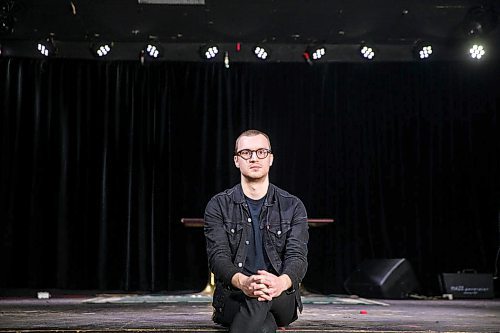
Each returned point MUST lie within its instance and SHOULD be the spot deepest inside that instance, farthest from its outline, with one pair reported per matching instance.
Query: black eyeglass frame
(256, 151)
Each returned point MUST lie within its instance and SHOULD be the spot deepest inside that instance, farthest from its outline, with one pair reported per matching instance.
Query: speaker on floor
(467, 284)
(382, 278)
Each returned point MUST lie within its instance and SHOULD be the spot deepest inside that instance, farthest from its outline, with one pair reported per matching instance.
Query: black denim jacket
(227, 225)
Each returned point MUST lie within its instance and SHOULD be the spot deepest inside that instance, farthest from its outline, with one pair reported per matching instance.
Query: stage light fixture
(47, 47)
(367, 52)
(101, 49)
(152, 51)
(477, 51)
(315, 52)
(261, 52)
(209, 52)
(422, 50)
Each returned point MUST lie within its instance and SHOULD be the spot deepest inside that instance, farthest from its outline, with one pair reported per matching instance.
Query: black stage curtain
(101, 160)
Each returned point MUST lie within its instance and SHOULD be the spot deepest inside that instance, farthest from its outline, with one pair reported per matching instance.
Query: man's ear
(271, 161)
(236, 163)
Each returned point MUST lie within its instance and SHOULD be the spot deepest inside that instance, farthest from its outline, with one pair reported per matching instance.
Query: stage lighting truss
(46, 47)
(477, 51)
(474, 48)
(367, 52)
(261, 52)
(101, 49)
(423, 50)
(209, 52)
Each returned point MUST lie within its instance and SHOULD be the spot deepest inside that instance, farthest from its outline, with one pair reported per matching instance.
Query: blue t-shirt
(256, 258)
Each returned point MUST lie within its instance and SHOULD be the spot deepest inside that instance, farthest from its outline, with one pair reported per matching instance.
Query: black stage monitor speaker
(468, 284)
(382, 278)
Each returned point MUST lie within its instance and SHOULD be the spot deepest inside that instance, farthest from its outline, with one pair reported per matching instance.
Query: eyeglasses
(261, 153)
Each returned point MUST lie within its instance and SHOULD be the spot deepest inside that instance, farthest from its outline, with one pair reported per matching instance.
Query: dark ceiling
(288, 23)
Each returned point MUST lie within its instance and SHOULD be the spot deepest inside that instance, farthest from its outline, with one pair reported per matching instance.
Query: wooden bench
(198, 222)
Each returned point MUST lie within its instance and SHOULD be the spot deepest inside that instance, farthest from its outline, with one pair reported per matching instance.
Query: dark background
(101, 160)
(286, 27)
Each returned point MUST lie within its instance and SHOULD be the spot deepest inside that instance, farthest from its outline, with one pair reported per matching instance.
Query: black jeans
(244, 314)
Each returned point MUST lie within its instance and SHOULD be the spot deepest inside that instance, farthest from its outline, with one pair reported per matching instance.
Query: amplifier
(467, 285)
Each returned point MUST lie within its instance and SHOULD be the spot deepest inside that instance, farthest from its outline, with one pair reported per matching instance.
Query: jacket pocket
(233, 232)
(278, 232)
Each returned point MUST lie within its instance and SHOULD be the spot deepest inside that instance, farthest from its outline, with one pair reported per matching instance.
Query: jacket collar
(239, 197)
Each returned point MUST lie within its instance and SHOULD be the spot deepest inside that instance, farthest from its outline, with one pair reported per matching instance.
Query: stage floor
(78, 313)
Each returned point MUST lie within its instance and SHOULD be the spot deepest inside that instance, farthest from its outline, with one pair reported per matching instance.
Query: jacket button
(240, 264)
(247, 242)
(232, 230)
(249, 220)
(279, 232)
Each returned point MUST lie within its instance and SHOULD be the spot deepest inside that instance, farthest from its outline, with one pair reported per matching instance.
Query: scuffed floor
(74, 314)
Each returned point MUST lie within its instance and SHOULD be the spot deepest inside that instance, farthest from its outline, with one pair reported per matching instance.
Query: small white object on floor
(43, 295)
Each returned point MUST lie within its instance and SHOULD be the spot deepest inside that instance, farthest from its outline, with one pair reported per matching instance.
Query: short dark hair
(252, 132)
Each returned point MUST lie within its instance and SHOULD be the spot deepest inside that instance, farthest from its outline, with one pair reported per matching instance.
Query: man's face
(253, 168)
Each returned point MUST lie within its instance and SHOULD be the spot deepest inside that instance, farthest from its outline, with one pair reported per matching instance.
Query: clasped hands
(264, 285)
